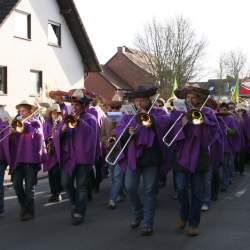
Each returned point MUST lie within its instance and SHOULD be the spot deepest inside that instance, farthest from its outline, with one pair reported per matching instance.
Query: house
(124, 72)
(221, 89)
(43, 44)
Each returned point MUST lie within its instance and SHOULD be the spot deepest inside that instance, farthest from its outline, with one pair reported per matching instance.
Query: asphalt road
(224, 227)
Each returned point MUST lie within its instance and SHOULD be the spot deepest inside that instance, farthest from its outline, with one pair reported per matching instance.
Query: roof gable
(70, 13)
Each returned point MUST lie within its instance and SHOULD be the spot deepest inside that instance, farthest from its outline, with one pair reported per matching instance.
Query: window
(35, 82)
(22, 25)
(3, 80)
(54, 33)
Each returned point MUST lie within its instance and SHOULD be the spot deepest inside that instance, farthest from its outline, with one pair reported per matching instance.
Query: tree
(233, 64)
(171, 50)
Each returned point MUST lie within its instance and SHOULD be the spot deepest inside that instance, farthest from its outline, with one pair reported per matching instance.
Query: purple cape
(193, 138)
(217, 148)
(144, 138)
(29, 145)
(4, 145)
(232, 142)
(78, 145)
(55, 157)
(99, 115)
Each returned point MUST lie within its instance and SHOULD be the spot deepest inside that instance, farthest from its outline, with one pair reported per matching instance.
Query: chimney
(121, 49)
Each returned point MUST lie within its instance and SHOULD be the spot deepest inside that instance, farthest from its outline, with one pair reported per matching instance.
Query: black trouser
(240, 161)
(26, 173)
(55, 180)
(97, 178)
(215, 184)
(78, 193)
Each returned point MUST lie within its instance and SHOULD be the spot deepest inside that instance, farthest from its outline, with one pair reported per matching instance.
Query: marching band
(200, 140)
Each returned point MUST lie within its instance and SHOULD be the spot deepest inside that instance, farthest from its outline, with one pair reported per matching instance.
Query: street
(224, 227)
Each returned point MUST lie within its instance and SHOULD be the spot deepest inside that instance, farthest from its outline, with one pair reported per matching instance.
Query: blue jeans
(227, 170)
(208, 186)
(78, 193)
(28, 174)
(2, 172)
(132, 183)
(190, 210)
(118, 177)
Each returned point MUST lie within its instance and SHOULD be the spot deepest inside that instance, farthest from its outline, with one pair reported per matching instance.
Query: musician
(191, 154)
(143, 157)
(65, 109)
(232, 143)
(244, 121)
(78, 153)
(52, 124)
(108, 138)
(96, 177)
(4, 151)
(30, 152)
(216, 158)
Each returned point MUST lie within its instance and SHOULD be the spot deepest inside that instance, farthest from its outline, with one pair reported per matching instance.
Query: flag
(175, 86)
(235, 92)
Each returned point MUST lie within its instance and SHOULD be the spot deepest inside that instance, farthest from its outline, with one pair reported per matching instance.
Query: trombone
(18, 125)
(112, 150)
(196, 118)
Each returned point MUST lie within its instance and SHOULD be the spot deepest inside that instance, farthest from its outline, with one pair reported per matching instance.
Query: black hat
(145, 91)
(191, 89)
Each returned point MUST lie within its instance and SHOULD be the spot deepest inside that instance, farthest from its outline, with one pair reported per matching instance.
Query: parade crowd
(79, 141)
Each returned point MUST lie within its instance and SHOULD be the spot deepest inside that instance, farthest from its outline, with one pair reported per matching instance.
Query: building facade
(43, 44)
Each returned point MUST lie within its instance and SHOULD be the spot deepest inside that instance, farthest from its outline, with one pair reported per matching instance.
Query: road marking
(240, 193)
(55, 203)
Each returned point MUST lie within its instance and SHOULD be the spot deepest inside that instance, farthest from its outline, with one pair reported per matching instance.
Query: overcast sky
(112, 23)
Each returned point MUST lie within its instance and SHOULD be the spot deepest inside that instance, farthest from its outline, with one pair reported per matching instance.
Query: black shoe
(55, 198)
(136, 222)
(27, 216)
(146, 231)
(76, 219)
(21, 213)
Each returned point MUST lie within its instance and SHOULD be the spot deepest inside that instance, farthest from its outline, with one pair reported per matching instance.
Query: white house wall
(62, 67)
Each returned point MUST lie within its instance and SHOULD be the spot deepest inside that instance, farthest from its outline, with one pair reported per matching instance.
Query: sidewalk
(8, 183)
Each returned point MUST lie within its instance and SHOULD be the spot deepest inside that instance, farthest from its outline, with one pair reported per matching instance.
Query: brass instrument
(170, 103)
(194, 115)
(18, 124)
(49, 141)
(145, 120)
(113, 156)
(72, 121)
(111, 140)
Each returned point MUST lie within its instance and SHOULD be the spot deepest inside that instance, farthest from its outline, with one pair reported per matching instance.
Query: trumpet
(71, 121)
(170, 103)
(112, 157)
(145, 120)
(194, 115)
(18, 124)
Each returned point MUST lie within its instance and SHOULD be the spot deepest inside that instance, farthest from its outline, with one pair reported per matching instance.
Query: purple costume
(54, 158)
(4, 145)
(78, 146)
(194, 139)
(29, 145)
(144, 138)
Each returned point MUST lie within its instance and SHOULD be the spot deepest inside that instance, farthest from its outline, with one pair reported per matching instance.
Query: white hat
(55, 107)
(25, 102)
